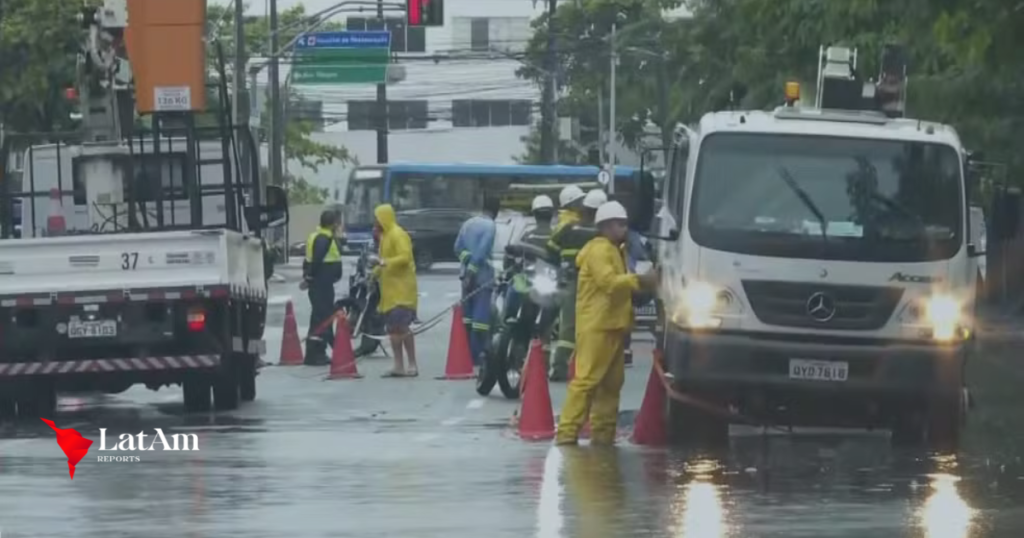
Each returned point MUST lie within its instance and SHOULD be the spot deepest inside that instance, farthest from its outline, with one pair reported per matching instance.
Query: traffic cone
(460, 360)
(291, 344)
(55, 223)
(343, 358)
(649, 426)
(536, 417)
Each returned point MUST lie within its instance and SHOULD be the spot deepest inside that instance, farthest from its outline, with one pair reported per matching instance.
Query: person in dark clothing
(320, 271)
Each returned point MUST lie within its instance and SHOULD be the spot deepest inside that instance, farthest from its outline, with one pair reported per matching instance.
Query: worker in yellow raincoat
(604, 317)
(396, 272)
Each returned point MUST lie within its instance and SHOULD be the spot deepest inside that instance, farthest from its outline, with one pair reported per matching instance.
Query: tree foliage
(964, 68)
(38, 43)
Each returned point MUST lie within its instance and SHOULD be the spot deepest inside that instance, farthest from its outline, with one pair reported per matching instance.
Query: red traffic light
(424, 12)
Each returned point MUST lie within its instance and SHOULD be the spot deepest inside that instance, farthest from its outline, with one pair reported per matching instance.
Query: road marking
(280, 299)
(425, 437)
(453, 294)
(476, 404)
(452, 421)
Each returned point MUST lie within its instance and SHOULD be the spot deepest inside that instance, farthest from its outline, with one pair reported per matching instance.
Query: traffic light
(425, 12)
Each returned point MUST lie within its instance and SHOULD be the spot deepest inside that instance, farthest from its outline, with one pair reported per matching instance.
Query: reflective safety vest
(333, 253)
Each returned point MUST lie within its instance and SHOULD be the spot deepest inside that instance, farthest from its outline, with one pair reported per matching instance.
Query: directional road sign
(342, 58)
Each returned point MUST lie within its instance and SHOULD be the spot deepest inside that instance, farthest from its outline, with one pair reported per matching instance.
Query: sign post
(342, 58)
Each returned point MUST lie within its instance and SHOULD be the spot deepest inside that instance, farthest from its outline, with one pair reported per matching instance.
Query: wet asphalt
(423, 458)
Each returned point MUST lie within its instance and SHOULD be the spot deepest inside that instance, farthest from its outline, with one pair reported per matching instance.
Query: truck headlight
(938, 317)
(700, 305)
(944, 313)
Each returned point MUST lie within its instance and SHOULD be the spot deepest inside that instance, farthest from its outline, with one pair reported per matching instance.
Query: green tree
(962, 56)
(38, 43)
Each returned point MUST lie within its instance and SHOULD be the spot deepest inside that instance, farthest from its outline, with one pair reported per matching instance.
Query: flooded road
(427, 458)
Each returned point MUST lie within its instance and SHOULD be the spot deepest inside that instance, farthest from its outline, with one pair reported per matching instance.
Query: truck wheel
(247, 379)
(196, 391)
(41, 402)
(226, 386)
(692, 426)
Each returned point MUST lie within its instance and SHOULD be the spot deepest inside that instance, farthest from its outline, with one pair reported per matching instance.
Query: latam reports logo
(76, 447)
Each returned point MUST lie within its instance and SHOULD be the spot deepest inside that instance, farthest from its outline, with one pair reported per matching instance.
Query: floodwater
(428, 458)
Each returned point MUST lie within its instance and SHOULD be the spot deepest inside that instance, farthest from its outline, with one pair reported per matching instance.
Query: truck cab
(823, 271)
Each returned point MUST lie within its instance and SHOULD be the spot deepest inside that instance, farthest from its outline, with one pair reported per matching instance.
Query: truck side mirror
(641, 212)
(1005, 215)
(273, 213)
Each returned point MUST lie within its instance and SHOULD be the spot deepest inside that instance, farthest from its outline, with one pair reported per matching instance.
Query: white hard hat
(569, 195)
(542, 202)
(595, 198)
(610, 211)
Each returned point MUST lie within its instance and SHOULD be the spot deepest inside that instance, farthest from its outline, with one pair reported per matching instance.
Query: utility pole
(382, 105)
(276, 120)
(241, 112)
(548, 138)
(611, 112)
(600, 127)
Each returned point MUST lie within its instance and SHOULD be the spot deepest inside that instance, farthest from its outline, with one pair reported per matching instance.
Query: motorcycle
(360, 306)
(517, 326)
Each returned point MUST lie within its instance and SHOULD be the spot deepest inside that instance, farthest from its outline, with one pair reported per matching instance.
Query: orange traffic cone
(55, 223)
(291, 344)
(649, 426)
(536, 418)
(343, 358)
(460, 361)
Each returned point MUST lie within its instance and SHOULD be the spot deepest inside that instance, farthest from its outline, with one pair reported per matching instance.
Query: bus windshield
(408, 191)
(802, 196)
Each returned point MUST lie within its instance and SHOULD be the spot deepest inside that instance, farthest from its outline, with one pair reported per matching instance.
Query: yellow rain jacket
(604, 292)
(565, 216)
(397, 274)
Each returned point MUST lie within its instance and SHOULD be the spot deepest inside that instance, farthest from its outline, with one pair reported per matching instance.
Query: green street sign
(342, 58)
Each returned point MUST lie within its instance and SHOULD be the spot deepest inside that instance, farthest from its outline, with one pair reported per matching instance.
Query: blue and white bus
(413, 187)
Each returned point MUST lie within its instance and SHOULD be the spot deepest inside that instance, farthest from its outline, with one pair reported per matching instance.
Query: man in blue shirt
(474, 247)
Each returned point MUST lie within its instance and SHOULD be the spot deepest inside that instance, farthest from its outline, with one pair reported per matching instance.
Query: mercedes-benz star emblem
(821, 307)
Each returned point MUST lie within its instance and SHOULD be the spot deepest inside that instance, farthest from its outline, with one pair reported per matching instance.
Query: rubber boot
(316, 352)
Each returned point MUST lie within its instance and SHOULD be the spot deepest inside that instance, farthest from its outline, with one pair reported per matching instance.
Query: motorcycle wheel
(367, 344)
(509, 360)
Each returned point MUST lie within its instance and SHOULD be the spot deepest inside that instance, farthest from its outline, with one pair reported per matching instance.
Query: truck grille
(822, 306)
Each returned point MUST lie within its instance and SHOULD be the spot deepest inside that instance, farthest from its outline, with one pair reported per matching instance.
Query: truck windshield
(882, 200)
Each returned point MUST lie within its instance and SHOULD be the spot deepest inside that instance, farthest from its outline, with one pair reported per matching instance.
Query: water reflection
(595, 483)
(701, 512)
(945, 514)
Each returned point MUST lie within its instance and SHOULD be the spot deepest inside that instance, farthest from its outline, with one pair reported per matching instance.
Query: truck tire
(196, 394)
(692, 426)
(247, 379)
(226, 393)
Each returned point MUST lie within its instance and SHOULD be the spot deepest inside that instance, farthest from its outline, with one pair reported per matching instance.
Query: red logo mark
(75, 446)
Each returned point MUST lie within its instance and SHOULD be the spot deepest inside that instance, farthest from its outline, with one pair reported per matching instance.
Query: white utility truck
(140, 258)
(822, 272)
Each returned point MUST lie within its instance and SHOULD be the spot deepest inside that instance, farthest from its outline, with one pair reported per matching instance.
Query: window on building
(402, 115)
(403, 38)
(491, 113)
(479, 34)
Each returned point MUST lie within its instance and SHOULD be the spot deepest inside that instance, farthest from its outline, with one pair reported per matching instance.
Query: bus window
(410, 191)
(361, 197)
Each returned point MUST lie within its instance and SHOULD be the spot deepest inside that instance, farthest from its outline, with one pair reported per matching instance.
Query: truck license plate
(818, 370)
(92, 329)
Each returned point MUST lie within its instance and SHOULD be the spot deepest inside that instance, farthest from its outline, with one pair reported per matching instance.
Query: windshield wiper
(806, 199)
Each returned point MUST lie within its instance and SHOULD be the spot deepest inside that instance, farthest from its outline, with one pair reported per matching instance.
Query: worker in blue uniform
(474, 246)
